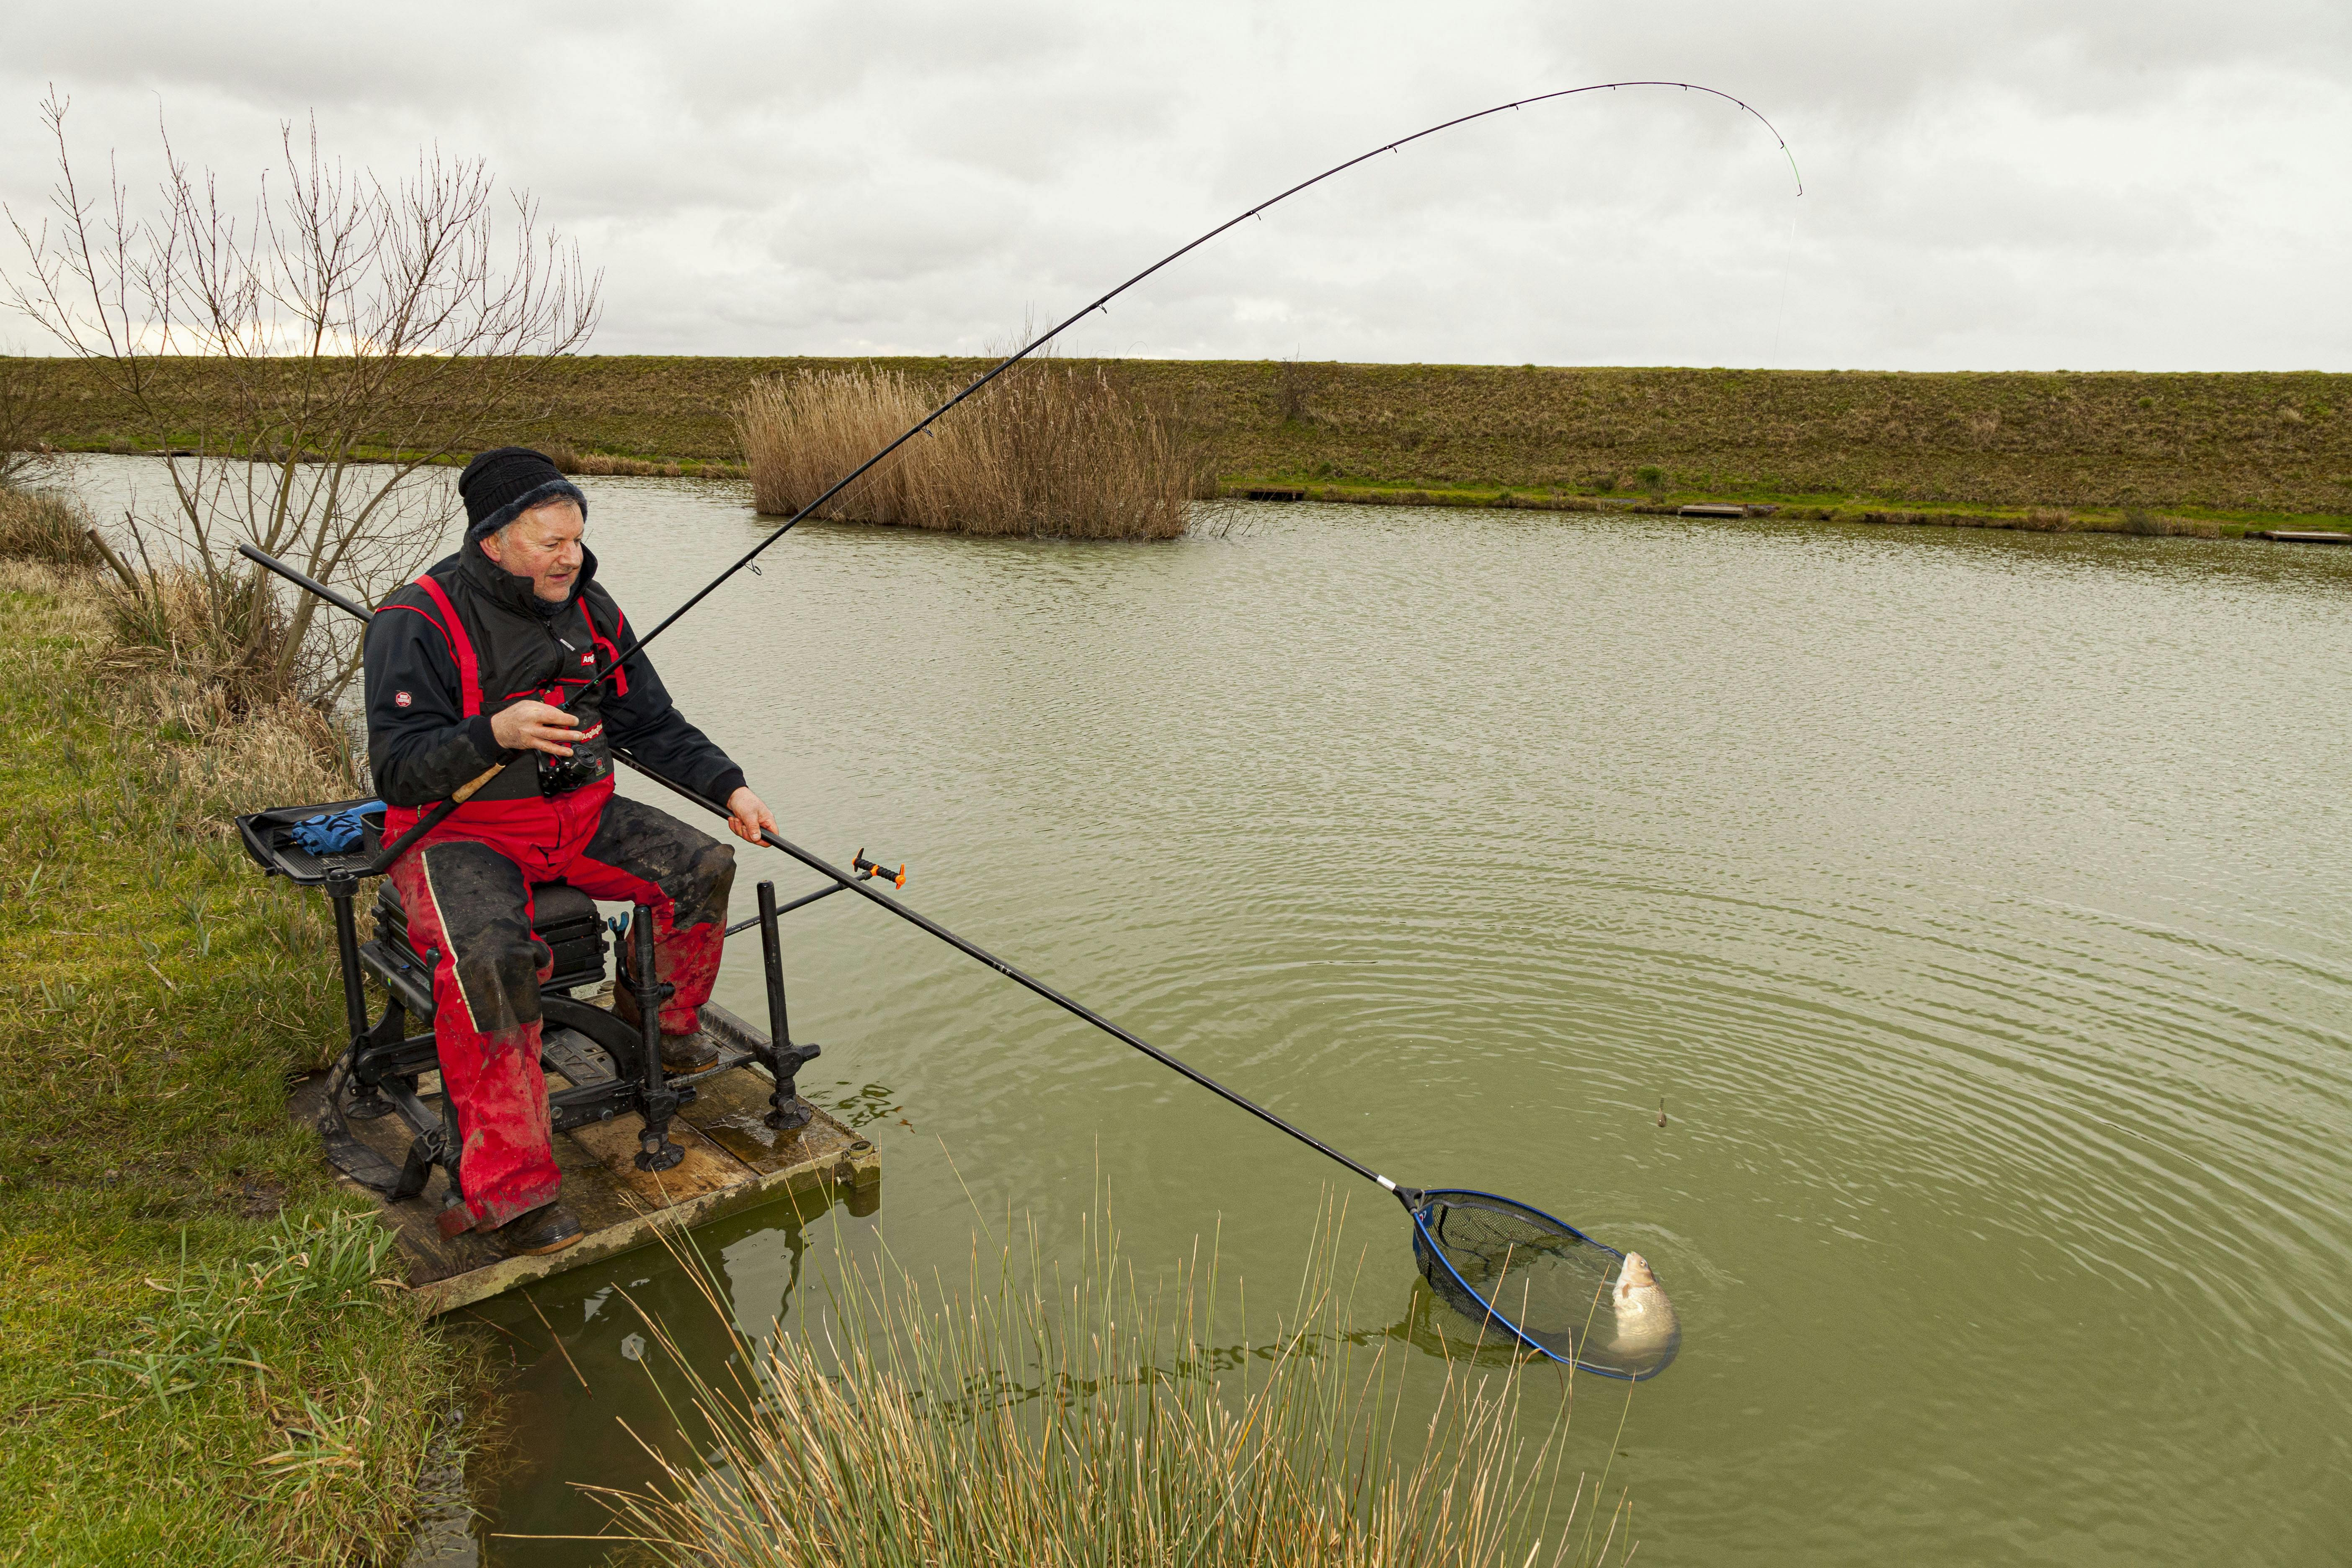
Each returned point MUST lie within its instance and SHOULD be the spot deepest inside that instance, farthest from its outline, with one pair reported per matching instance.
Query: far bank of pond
(2252, 447)
(2027, 519)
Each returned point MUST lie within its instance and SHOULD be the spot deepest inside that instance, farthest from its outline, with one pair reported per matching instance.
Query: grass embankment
(197, 1363)
(2245, 446)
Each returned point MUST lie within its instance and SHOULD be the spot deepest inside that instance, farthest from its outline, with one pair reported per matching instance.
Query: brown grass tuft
(1048, 449)
(178, 623)
(42, 525)
(180, 651)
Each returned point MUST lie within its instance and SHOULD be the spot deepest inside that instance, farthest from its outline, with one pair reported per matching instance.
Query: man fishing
(494, 651)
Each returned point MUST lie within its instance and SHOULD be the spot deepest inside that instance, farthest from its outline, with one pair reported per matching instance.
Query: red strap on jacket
(611, 653)
(469, 676)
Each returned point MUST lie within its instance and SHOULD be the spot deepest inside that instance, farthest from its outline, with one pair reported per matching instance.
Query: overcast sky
(2143, 184)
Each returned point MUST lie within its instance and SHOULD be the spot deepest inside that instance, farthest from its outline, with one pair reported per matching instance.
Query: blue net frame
(1535, 1278)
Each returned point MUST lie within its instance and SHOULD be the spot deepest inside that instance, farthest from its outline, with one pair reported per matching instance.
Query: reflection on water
(575, 1348)
(1978, 901)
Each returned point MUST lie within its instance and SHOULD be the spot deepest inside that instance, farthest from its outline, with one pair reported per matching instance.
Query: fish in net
(1521, 1274)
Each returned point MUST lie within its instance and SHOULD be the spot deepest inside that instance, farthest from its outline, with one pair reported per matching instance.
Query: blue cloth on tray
(330, 833)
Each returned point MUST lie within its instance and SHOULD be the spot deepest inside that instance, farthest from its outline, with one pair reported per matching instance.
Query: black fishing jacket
(468, 637)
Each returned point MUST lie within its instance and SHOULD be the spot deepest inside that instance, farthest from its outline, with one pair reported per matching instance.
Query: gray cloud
(2154, 184)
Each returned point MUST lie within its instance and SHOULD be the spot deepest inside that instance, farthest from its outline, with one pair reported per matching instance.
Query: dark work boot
(689, 1053)
(550, 1227)
(680, 1053)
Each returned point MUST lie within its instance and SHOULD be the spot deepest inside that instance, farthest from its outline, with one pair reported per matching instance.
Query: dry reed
(42, 525)
(1045, 1420)
(176, 621)
(1047, 449)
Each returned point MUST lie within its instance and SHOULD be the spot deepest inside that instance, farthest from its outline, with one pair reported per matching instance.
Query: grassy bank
(2196, 521)
(197, 1363)
(2243, 446)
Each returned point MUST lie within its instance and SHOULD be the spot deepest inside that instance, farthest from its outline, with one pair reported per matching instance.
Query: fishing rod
(865, 888)
(1467, 1243)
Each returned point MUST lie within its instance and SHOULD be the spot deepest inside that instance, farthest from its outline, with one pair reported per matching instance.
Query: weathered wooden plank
(707, 1167)
(732, 1109)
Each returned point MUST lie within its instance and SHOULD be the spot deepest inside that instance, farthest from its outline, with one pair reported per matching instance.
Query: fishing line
(1102, 302)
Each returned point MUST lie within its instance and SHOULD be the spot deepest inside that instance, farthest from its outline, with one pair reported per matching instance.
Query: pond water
(1979, 905)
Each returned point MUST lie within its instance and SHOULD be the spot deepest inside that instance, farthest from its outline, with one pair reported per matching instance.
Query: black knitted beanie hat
(502, 484)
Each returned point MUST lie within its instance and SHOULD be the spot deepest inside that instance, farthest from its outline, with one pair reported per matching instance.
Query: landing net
(1521, 1275)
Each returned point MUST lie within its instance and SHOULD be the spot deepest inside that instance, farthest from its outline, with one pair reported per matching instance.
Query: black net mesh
(1514, 1270)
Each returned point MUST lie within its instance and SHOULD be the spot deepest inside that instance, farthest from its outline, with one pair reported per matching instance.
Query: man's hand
(535, 727)
(746, 815)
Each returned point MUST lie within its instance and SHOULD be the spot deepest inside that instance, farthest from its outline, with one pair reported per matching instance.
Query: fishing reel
(591, 760)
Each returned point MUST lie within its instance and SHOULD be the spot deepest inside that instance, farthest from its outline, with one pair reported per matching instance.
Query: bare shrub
(42, 525)
(2045, 520)
(23, 450)
(351, 333)
(1047, 449)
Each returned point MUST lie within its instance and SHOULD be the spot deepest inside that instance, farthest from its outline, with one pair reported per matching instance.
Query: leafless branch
(351, 333)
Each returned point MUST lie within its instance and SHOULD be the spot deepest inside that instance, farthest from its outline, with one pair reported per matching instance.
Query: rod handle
(465, 792)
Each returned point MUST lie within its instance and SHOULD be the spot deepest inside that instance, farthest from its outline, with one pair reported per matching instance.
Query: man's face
(543, 544)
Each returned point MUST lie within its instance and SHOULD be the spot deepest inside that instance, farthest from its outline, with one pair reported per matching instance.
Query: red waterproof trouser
(467, 893)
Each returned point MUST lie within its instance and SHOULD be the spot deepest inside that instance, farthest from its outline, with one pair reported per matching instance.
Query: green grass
(196, 1363)
(2246, 446)
(2207, 521)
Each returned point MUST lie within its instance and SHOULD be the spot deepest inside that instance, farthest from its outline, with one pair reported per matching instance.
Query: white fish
(1646, 1324)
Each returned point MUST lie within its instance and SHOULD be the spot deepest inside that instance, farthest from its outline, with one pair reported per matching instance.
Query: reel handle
(869, 869)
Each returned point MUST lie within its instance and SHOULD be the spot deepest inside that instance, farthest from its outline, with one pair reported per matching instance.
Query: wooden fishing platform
(733, 1161)
(2302, 536)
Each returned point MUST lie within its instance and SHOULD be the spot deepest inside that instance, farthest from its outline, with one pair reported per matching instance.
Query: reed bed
(1047, 449)
(1038, 1419)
